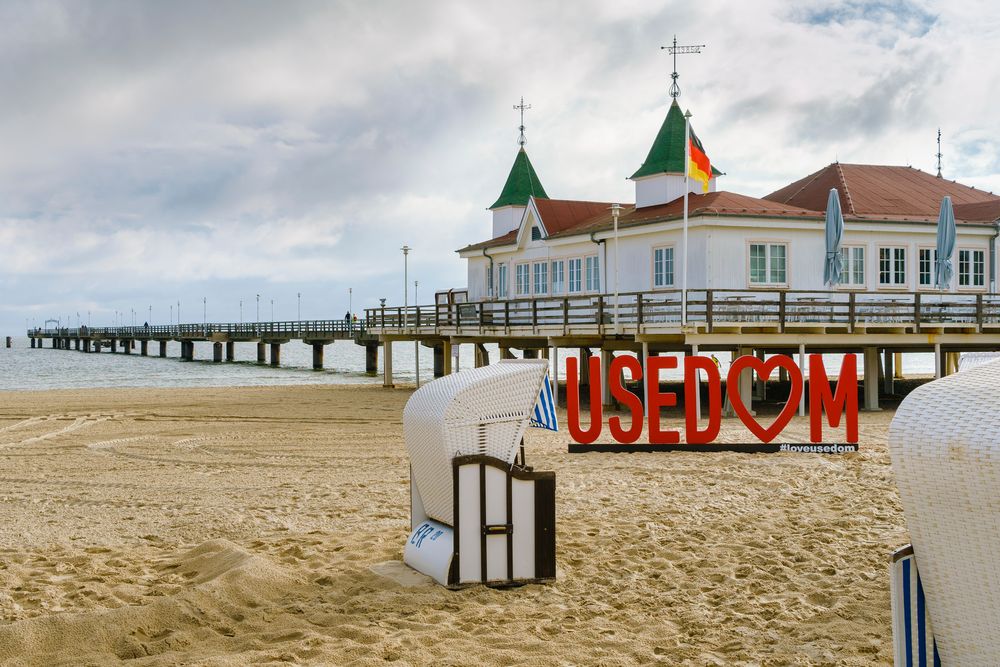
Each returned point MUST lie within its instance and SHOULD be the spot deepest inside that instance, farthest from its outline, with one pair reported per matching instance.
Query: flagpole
(687, 188)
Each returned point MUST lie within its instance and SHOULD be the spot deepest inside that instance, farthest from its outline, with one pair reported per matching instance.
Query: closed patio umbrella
(945, 244)
(833, 267)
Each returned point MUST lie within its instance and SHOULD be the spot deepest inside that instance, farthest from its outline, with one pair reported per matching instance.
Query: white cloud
(155, 152)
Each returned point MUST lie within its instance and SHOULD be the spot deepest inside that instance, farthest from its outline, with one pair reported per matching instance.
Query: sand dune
(265, 525)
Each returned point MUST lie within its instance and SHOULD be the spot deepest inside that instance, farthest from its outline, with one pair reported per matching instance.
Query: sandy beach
(265, 526)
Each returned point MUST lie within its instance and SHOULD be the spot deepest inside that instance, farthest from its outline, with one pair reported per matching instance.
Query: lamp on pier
(406, 289)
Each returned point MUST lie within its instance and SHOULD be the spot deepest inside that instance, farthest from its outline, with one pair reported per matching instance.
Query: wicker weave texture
(478, 411)
(945, 447)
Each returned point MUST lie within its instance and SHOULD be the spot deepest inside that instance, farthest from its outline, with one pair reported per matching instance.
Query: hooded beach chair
(945, 446)
(476, 514)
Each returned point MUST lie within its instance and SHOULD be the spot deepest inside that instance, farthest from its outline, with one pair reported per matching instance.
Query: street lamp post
(204, 313)
(416, 343)
(241, 311)
(350, 311)
(615, 211)
(272, 310)
(406, 289)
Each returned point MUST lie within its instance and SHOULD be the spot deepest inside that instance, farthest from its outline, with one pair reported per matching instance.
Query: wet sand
(264, 526)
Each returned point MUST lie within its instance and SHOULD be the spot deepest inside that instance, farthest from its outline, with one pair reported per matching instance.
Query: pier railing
(303, 329)
(710, 308)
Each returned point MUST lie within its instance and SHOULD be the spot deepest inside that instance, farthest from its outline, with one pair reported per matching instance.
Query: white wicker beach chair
(475, 516)
(945, 447)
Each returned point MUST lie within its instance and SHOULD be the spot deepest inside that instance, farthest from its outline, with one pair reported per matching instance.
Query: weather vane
(938, 154)
(675, 90)
(521, 107)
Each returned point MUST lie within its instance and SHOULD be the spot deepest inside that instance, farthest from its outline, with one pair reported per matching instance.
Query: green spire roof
(523, 182)
(667, 153)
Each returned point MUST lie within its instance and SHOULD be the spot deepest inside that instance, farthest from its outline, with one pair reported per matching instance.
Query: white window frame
(892, 268)
(571, 263)
(768, 243)
(848, 263)
(592, 274)
(540, 277)
(673, 267)
(558, 287)
(933, 251)
(501, 282)
(971, 287)
(522, 270)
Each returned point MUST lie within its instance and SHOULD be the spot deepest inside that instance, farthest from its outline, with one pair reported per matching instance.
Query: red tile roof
(878, 191)
(867, 193)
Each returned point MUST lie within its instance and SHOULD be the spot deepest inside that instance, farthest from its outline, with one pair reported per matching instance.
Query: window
(971, 268)
(593, 274)
(663, 267)
(558, 277)
(502, 281)
(768, 264)
(576, 275)
(926, 259)
(853, 259)
(536, 234)
(522, 279)
(541, 270)
(892, 267)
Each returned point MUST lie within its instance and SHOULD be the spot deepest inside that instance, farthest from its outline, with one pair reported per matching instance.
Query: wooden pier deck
(223, 336)
(758, 321)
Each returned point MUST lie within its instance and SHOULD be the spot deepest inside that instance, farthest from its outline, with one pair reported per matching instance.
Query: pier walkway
(317, 333)
(880, 325)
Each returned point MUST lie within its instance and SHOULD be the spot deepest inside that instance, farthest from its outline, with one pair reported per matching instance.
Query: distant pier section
(268, 336)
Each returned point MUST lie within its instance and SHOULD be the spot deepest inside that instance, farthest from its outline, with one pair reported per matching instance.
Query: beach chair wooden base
(505, 527)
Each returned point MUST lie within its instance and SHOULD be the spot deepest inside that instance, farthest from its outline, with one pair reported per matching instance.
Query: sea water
(24, 368)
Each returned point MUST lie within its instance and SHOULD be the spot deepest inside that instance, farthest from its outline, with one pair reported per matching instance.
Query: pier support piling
(937, 360)
(127, 346)
(261, 353)
(230, 350)
(387, 364)
(318, 356)
(482, 356)
(32, 343)
(217, 353)
(888, 374)
(898, 365)
(144, 348)
(187, 350)
(275, 354)
(606, 357)
(371, 359)
(760, 388)
(86, 345)
(871, 379)
(163, 348)
(76, 344)
(505, 353)
(114, 345)
(530, 353)
(802, 367)
(439, 357)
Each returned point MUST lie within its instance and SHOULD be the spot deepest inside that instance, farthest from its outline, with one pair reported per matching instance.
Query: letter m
(843, 400)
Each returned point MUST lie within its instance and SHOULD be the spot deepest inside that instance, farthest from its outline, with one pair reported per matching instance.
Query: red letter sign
(626, 398)
(845, 399)
(657, 400)
(573, 401)
(691, 366)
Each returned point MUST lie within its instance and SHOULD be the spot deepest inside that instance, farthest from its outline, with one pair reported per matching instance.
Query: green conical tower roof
(667, 152)
(523, 182)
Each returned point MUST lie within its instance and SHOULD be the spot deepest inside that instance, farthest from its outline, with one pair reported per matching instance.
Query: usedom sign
(833, 405)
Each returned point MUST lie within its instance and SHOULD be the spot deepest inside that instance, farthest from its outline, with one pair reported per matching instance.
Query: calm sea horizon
(25, 369)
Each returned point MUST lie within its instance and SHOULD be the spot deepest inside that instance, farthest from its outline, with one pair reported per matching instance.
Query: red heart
(763, 369)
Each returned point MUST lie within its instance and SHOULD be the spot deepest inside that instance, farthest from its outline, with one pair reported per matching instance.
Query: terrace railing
(712, 308)
(304, 329)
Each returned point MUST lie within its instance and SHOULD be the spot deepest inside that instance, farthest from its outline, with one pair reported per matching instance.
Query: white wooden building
(543, 247)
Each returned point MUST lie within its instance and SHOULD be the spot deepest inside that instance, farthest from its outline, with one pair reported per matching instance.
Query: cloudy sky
(155, 152)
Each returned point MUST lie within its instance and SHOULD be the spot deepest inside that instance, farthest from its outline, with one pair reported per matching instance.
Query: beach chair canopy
(945, 447)
(479, 411)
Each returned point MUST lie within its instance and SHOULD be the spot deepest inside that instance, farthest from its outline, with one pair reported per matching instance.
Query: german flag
(699, 167)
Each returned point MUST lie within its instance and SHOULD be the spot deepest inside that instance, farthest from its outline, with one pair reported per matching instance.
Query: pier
(268, 336)
(880, 326)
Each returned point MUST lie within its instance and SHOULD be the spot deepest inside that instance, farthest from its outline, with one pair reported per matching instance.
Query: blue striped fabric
(544, 414)
(913, 636)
